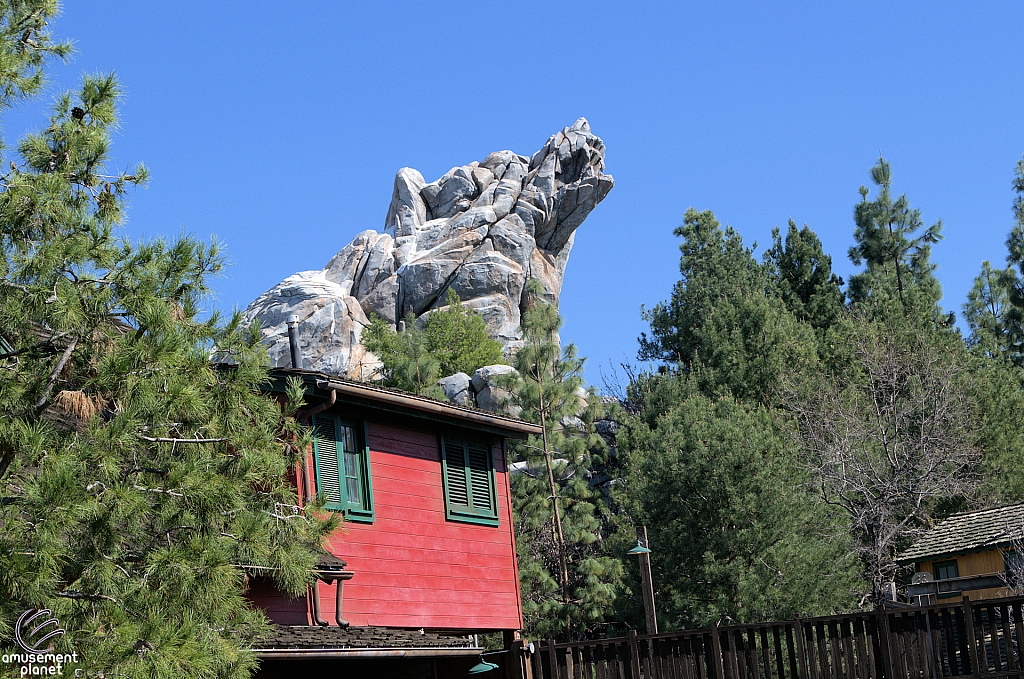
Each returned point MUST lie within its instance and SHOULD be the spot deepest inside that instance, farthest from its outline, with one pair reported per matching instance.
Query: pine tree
(803, 276)
(995, 305)
(137, 478)
(895, 247)
(567, 584)
(736, 530)
(449, 340)
(995, 313)
(457, 336)
(725, 322)
(986, 311)
(416, 368)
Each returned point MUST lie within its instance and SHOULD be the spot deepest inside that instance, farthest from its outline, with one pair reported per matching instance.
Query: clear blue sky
(278, 127)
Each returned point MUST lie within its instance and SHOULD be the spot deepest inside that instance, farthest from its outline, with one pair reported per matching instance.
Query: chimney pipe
(293, 341)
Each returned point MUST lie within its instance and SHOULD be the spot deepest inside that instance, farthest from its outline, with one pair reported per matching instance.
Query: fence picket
(980, 640)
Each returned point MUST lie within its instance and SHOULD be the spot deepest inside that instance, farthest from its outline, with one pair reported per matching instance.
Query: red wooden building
(426, 556)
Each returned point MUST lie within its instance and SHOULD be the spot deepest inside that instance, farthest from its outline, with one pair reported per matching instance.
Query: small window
(343, 467)
(946, 570)
(467, 470)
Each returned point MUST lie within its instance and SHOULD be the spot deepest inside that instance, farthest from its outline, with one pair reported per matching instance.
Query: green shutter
(325, 454)
(469, 484)
(343, 467)
(481, 480)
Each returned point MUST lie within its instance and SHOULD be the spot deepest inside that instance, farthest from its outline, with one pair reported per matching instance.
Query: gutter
(430, 406)
(324, 653)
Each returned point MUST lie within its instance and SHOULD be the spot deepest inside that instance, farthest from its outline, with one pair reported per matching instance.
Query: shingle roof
(969, 531)
(312, 637)
(415, 402)
(329, 562)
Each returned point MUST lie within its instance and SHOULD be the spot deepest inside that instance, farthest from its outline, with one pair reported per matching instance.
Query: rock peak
(481, 229)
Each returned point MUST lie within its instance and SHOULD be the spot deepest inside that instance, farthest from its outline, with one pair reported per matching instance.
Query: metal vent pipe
(293, 341)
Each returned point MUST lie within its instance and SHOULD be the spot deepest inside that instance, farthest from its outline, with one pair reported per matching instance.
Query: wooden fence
(978, 639)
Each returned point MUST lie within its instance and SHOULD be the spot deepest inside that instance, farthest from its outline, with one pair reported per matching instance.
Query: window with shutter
(469, 485)
(342, 461)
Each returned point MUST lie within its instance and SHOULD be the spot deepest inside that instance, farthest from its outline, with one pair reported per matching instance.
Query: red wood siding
(281, 609)
(414, 568)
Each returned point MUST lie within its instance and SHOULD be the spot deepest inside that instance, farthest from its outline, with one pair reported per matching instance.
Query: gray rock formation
(482, 229)
(489, 396)
(457, 389)
(481, 390)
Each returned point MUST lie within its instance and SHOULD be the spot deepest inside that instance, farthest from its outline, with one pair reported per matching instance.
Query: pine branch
(52, 379)
(71, 594)
(152, 439)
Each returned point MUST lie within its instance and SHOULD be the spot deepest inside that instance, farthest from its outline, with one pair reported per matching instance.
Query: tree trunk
(558, 535)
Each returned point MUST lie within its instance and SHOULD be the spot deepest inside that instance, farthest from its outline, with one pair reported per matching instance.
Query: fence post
(634, 656)
(884, 649)
(518, 665)
(972, 641)
(716, 651)
(552, 661)
(537, 662)
(802, 661)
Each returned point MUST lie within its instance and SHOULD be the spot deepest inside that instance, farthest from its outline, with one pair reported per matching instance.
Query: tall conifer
(139, 481)
(568, 585)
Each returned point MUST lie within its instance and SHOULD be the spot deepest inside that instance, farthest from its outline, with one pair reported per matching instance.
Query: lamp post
(644, 553)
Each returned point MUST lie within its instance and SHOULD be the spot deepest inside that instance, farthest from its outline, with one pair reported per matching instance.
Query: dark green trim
(361, 512)
(468, 513)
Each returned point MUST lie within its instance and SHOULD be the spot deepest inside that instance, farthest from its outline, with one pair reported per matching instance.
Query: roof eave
(417, 406)
(907, 560)
(339, 653)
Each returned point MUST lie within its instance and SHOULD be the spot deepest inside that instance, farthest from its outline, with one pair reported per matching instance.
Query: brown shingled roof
(329, 562)
(300, 638)
(969, 532)
(509, 425)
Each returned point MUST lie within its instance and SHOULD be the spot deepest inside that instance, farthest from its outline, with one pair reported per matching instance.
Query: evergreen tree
(416, 368)
(986, 309)
(736, 530)
(567, 584)
(725, 322)
(136, 477)
(449, 340)
(995, 305)
(895, 247)
(803, 277)
(457, 336)
(997, 390)
(995, 314)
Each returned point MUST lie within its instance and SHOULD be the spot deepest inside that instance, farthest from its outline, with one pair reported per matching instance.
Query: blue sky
(278, 127)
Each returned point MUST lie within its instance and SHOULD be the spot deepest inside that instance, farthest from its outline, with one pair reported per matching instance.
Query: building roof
(402, 402)
(309, 640)
(329, 562)
(969, 532)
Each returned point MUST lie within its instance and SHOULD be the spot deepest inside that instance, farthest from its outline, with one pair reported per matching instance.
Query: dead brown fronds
(78, 403)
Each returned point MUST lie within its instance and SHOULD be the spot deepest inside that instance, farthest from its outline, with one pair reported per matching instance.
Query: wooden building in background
(425, 561)
(971, 554)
